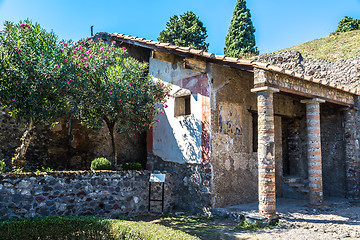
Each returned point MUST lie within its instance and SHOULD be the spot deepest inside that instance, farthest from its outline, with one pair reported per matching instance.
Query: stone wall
(192, 183)
(105, 194)
(343, 72)
(68, 145)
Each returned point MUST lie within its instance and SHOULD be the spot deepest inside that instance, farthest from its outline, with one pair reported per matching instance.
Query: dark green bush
(66, 227)
(132, 166)
(100, 164)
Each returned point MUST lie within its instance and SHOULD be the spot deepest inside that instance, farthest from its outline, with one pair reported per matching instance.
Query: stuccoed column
(266, 151)
(316, 195)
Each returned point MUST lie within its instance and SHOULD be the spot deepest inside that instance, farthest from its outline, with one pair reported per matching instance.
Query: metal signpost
(157, 178)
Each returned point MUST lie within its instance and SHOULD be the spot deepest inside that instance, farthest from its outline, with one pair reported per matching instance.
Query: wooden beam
(195, 65)
(163, 56)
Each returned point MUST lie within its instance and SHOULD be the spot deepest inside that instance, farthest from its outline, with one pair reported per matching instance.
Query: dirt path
(334, 222)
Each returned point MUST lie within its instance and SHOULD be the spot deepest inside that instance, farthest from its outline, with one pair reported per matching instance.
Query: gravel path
(338, 220)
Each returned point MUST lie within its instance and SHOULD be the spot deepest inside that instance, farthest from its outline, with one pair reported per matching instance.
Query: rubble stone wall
(105, 194)
(68, 145)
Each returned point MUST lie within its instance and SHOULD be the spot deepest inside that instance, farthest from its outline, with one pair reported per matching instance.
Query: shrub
(101, 164)
(43, 169)
(132, 166)
(67, 227)
(2, 166)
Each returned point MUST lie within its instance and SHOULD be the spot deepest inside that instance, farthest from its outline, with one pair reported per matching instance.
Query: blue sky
(278, 23)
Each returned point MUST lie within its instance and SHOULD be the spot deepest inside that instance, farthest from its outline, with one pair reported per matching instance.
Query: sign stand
(157, 178)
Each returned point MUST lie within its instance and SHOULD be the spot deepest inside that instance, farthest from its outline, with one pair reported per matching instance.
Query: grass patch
(255, 225)
(66, 227)
(336, 46)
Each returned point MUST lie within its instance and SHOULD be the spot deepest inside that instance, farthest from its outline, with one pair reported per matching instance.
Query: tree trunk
(18, 160)
(111, 127)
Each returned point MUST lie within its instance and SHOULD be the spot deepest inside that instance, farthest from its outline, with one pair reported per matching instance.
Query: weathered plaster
(182, 139)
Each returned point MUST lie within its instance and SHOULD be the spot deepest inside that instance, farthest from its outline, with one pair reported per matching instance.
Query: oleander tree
(186, 30)
(240, 40)
(34, 76)
(115, 90)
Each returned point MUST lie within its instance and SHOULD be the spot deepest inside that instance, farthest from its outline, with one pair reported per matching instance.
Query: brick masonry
(316, 195)
(266, 151)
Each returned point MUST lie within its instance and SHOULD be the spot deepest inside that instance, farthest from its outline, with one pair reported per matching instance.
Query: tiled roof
(221, 59)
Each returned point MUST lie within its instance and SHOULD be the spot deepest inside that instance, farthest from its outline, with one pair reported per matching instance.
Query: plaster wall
(179, 139)
(233, 160)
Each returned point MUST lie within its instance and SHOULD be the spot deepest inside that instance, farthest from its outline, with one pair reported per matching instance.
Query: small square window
(182, 106)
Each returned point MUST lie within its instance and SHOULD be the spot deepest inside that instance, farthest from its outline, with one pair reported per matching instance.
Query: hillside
(336, 46)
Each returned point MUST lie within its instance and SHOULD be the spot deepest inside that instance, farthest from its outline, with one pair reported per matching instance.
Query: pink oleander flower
(94, 91)
(13, 99)
(106, 65)
(119, 100)
(95, 53)
(100, 101)
(90, 56)
(124, 49)
(130, 84)
(57, 66)
(109, 50)
(101, 49)
(162, 112)
(158, 120)
(65, 60)
(42, 53)
(132, 102)
(61, 42)
(114, 42)
(136, 127)
(110, 93)
(85, 58)
(104, 55)
(72, 56)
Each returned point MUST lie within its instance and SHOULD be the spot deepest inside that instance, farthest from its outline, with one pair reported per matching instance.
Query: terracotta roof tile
(239, 61)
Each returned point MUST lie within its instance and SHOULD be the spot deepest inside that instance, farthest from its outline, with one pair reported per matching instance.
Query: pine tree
(186, 31)
(240, 39)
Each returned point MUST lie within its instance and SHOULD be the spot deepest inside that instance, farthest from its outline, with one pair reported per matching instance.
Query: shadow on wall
(178, 139)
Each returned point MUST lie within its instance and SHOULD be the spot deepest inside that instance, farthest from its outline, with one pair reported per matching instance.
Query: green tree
(240, 39)
(115, 90)
(186, 30)
(347, 24)
(33, 78)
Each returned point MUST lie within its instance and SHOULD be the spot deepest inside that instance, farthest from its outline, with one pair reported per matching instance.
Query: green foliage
(186, 30)
(114, 88)
(256, 225)
(101, 164)
(43, 169)
(63, 227)
(2, 166)
(240, 39)
(33, 72)
(348, 24)
(132, 166)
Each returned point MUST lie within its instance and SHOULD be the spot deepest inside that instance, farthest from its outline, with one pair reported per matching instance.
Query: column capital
(313, 100)
(265, 89)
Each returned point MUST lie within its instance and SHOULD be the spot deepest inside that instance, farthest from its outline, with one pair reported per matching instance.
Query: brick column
(316, 196)
(266, 151)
